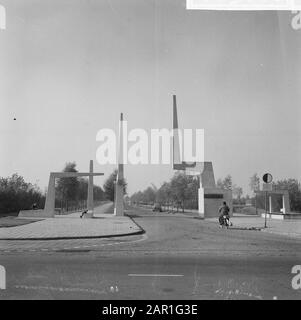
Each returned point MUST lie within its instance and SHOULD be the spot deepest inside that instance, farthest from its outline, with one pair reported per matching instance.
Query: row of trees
(227, 183)
(71, 193)
(180, 192)
(16, 194)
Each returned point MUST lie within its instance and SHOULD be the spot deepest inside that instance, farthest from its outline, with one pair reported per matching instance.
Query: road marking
(61, 289)
(154, 275)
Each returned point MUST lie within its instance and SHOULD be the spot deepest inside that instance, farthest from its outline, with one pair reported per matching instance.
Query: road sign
(267, 178)
(267, 187)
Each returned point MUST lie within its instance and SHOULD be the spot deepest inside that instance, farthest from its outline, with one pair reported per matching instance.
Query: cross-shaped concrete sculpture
(49, 210)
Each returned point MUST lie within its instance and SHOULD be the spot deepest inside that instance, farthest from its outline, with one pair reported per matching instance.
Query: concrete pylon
(119, 194)
(209, 196)
(50, 198)
(270, 204)
(90, 199)
(176, 146)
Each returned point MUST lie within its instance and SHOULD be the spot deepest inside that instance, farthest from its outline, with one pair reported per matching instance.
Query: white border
(244, 5)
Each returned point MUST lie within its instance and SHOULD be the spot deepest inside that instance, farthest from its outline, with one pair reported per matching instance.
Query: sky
(68, 68)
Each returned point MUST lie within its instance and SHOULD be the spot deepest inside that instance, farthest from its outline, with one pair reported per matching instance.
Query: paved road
(178, 258)
(107, 207)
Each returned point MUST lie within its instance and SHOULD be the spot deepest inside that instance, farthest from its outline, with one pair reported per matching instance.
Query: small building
(210, 196)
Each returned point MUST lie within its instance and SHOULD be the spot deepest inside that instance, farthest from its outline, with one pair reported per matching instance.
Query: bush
(16, 194)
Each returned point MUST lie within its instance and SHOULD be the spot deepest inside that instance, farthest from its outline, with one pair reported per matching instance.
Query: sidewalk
(72, 227)
(290, 228)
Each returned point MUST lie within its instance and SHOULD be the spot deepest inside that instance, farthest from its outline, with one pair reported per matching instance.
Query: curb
(292, 235)
(74, 238)
(139, 232)
(138, 225)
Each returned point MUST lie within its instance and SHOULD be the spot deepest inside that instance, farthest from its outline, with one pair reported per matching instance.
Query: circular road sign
(267, 178)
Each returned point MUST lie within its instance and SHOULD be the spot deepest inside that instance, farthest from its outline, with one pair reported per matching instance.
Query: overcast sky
(68, 68)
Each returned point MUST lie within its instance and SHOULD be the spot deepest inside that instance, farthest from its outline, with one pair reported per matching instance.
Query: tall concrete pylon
(209, 196)
(119, 194)
(178, 162)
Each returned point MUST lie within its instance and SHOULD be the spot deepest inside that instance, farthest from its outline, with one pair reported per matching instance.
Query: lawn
(12, 221)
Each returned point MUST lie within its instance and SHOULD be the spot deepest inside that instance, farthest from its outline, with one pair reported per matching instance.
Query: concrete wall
(207, 176)
(40, 213)
(213, 200)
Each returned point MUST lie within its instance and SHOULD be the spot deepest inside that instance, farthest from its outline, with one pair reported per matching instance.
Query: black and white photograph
(150, 150)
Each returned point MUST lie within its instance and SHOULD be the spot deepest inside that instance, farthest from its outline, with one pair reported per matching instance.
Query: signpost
(267, 179)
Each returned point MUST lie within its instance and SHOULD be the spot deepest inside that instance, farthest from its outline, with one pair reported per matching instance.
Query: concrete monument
(49, 210)
(210, 197)
(119, 194)
(285, 211)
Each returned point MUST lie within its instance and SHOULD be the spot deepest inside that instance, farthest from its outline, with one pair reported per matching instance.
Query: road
(179, 257)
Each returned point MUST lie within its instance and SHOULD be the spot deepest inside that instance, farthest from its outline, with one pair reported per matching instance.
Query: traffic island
(72, 227)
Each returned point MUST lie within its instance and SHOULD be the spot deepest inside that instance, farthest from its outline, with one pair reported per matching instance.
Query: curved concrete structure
(210, 197)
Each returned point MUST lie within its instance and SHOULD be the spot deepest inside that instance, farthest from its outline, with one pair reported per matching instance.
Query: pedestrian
(83, 213)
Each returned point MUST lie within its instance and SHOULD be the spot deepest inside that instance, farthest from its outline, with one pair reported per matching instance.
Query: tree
(82, 189)
(219, 183)
(226, 183)
(150, 195)
(254, 183)
(237, 191)
(179, 184)
(67, 188)
(181, 190)
(164, 194)
(255, 186)
(98, 193)
(16, 194)
(191, 193)
(137, 197)
(109, 186)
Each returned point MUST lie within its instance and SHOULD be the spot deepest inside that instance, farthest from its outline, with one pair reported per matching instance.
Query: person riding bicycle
(224, 211)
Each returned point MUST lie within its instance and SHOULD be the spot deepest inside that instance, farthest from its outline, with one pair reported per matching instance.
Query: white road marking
(154, 275)
(61, 289)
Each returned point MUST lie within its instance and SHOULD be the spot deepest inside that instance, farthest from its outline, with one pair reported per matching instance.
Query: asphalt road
(177, 258)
